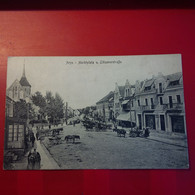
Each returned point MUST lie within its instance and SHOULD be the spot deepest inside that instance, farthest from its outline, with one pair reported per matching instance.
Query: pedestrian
(32, 139)
(37, 135)
(37, 160)
(31, 160)
(34, 160)
(147, 132)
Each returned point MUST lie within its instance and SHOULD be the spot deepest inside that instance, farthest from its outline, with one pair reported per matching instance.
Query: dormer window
(148, 88)
(172, 83)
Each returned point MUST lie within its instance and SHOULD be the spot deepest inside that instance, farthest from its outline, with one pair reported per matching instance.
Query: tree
(39, 100)
(54, 106)
(22, 110)
(50, 106)
(59, 106)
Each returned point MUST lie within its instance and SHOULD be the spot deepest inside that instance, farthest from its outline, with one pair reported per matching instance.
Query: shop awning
(125, 117)
(125, 102)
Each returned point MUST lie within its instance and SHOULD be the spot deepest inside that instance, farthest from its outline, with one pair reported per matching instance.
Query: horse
(115, 130)
(76, 136)
(121, 132)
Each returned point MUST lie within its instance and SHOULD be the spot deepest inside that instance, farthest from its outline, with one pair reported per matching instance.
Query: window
(127, 92)
(152, 103)
(172, 83)
(161, 101)
(160, 87)
(178, 99)
(138, 102)
(170, 102)
(147, 88)
(146, 101)
(132, 103)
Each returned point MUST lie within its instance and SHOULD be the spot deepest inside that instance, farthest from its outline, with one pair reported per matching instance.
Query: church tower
(25, 84)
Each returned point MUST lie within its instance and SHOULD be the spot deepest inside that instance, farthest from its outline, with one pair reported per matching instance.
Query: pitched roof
(107, 97)
(149, 82)
(24, 82)
(174, 77)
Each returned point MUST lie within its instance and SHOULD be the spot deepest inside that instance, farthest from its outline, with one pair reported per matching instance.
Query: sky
(82, 81)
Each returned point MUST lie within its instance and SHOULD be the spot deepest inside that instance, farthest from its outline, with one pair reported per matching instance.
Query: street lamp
(130, 115)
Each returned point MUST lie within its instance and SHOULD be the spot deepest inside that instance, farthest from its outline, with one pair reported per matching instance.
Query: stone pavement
(169, 138)
(47, 162)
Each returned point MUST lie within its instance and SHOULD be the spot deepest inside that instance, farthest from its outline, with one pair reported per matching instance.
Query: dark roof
(24, 82)
(174, 77)
(107, 97)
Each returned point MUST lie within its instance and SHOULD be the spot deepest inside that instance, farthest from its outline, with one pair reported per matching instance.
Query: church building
(19, 89)
(15, 128)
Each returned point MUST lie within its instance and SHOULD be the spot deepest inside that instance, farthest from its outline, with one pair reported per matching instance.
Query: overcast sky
(83, 85)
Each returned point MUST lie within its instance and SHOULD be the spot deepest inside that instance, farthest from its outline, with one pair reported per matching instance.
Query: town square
(111, 112)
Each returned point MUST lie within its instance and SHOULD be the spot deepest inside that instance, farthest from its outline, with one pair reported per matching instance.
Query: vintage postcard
(103, 112)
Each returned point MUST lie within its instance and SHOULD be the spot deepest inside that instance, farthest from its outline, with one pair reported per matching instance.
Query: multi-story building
(124, 111)
(157, 103)
(170, 111)
(145, 103)
(105, 107)
(15, 128)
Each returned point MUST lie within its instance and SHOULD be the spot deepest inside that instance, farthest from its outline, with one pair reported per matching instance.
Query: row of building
(16, 128)
(157, 103)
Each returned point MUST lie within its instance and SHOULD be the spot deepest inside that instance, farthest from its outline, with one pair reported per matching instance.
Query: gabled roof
(149, 82)
(107, 97)
(24, 82)
(174, 77)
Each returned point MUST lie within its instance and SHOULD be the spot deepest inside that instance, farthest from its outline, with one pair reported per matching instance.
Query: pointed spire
(23, 80)
(23, 75)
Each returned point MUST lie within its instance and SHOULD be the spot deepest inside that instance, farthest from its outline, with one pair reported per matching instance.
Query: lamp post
(130, 115)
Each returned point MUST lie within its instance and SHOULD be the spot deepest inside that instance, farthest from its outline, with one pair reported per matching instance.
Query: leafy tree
(22, 110)
(39, 100)
(54, 106)
(59, 106)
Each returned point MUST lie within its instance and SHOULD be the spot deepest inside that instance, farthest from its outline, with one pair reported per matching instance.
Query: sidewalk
(47, 162)
(169, 138)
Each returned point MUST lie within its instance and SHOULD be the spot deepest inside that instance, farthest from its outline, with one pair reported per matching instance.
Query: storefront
(15, 134)
(177, 124)
(127, 119)
(150, 121)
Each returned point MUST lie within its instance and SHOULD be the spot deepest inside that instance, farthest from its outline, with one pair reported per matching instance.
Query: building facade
(157, 103)
(19, 89)
(104, 107)
(15, 128)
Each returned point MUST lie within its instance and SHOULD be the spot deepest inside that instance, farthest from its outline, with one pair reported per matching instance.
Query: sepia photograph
(95, 112)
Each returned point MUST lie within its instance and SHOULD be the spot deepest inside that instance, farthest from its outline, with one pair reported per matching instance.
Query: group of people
(34, 158)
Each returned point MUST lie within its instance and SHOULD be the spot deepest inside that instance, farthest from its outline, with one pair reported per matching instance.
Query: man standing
(32, 139)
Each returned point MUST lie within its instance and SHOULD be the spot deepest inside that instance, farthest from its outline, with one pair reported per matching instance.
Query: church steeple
(23, 80)
(23, 74)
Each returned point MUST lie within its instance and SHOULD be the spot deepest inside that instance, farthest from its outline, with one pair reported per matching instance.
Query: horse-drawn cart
(135, 132)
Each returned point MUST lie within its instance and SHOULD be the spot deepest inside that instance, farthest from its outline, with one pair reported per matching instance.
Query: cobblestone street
(105, 150)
